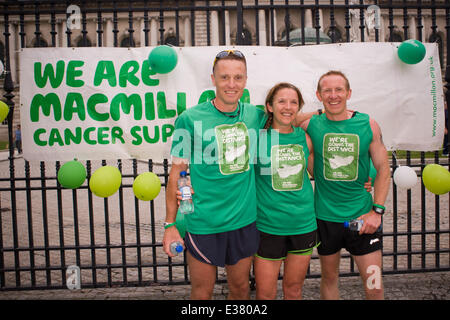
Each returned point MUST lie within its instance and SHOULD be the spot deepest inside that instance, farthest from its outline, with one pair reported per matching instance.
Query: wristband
(168, 225)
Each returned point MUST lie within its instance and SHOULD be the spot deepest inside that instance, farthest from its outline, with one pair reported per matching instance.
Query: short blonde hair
(333, 73)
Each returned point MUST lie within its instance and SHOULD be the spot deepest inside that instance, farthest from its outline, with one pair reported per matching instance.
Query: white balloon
(405, 177)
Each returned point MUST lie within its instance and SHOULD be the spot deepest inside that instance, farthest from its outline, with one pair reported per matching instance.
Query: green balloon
(163, 59)
(372, 172)
(146, 186)
(411, 51)
(4, 110)
(181, 223)
(105, 181)
(436, 179)
(72, 174)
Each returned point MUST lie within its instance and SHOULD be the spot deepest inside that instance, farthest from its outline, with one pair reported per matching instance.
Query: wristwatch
(378, 208)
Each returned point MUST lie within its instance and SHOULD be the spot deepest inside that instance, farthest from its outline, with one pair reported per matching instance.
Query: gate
(51, 237)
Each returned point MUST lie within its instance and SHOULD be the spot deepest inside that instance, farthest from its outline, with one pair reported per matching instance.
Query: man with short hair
(344, 142)
(217, 140)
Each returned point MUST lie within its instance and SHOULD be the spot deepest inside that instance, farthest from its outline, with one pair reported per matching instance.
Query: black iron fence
(51, 237)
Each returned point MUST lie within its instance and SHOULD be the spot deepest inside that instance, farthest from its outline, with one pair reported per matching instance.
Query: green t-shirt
(221, 152)
(285, 197)
(341, 166)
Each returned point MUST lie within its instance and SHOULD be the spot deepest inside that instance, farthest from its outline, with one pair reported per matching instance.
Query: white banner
(106, 103)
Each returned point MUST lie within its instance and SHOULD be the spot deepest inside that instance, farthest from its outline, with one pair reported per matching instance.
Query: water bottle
(356, 225)
(176, 248)
(186, 205)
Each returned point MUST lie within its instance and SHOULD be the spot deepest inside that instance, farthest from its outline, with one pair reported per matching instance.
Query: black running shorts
(225, 248)
(276, 247)
(334, 236)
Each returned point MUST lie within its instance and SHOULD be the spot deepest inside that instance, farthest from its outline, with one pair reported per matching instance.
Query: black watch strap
(378, 210)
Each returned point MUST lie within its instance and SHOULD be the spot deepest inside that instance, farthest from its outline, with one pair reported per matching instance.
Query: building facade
(29, 24)
(201, 23)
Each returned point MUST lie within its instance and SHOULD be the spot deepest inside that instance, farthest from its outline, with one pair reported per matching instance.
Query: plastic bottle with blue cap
(176, 248)
(186, 204)
(356, 225)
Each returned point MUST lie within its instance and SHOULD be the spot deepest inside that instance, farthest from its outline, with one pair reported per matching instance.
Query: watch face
(378, 210)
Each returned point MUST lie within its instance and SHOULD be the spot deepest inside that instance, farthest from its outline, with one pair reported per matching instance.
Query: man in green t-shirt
(217, 141)
(344, 142)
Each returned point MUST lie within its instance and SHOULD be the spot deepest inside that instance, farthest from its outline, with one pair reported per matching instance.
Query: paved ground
(423, 286)
(417, 286)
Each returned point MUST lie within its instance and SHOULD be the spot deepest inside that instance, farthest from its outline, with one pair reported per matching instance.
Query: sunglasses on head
(226, 53)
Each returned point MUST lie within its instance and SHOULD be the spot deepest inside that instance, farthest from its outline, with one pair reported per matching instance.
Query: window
(125, 43)
(335, 34)
(80, 42)
(170, 38)
(39, 44)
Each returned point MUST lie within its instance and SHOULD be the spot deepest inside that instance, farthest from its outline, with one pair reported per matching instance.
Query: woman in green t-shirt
(285, 200)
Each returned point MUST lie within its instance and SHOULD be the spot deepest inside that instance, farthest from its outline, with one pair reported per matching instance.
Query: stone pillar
(214, 28)
(187, 32)
(109, 35)
(308, 18)
(64, 42)
(153, 32)
(141, 32)
(412, 27)
(227, 28)
(262, 28)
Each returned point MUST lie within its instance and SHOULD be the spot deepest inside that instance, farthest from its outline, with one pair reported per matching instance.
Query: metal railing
(45, 230)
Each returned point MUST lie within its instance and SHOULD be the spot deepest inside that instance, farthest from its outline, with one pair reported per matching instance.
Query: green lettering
(117, 133)
(87, 137)
(149, 139)
(126, 102)
(70, 137)
(245, 96)
(181, 102)
(102, 136)
(207, 95)
(55, 137)
(69, 109)
(149, 106)
(125, 75)
(36, 137)
(146, 73)
(49, 74)
(39, 101)
(73, 73)
(134, 133)
(93, 100)
(167, 130)
(105, 71)
(163, 113)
